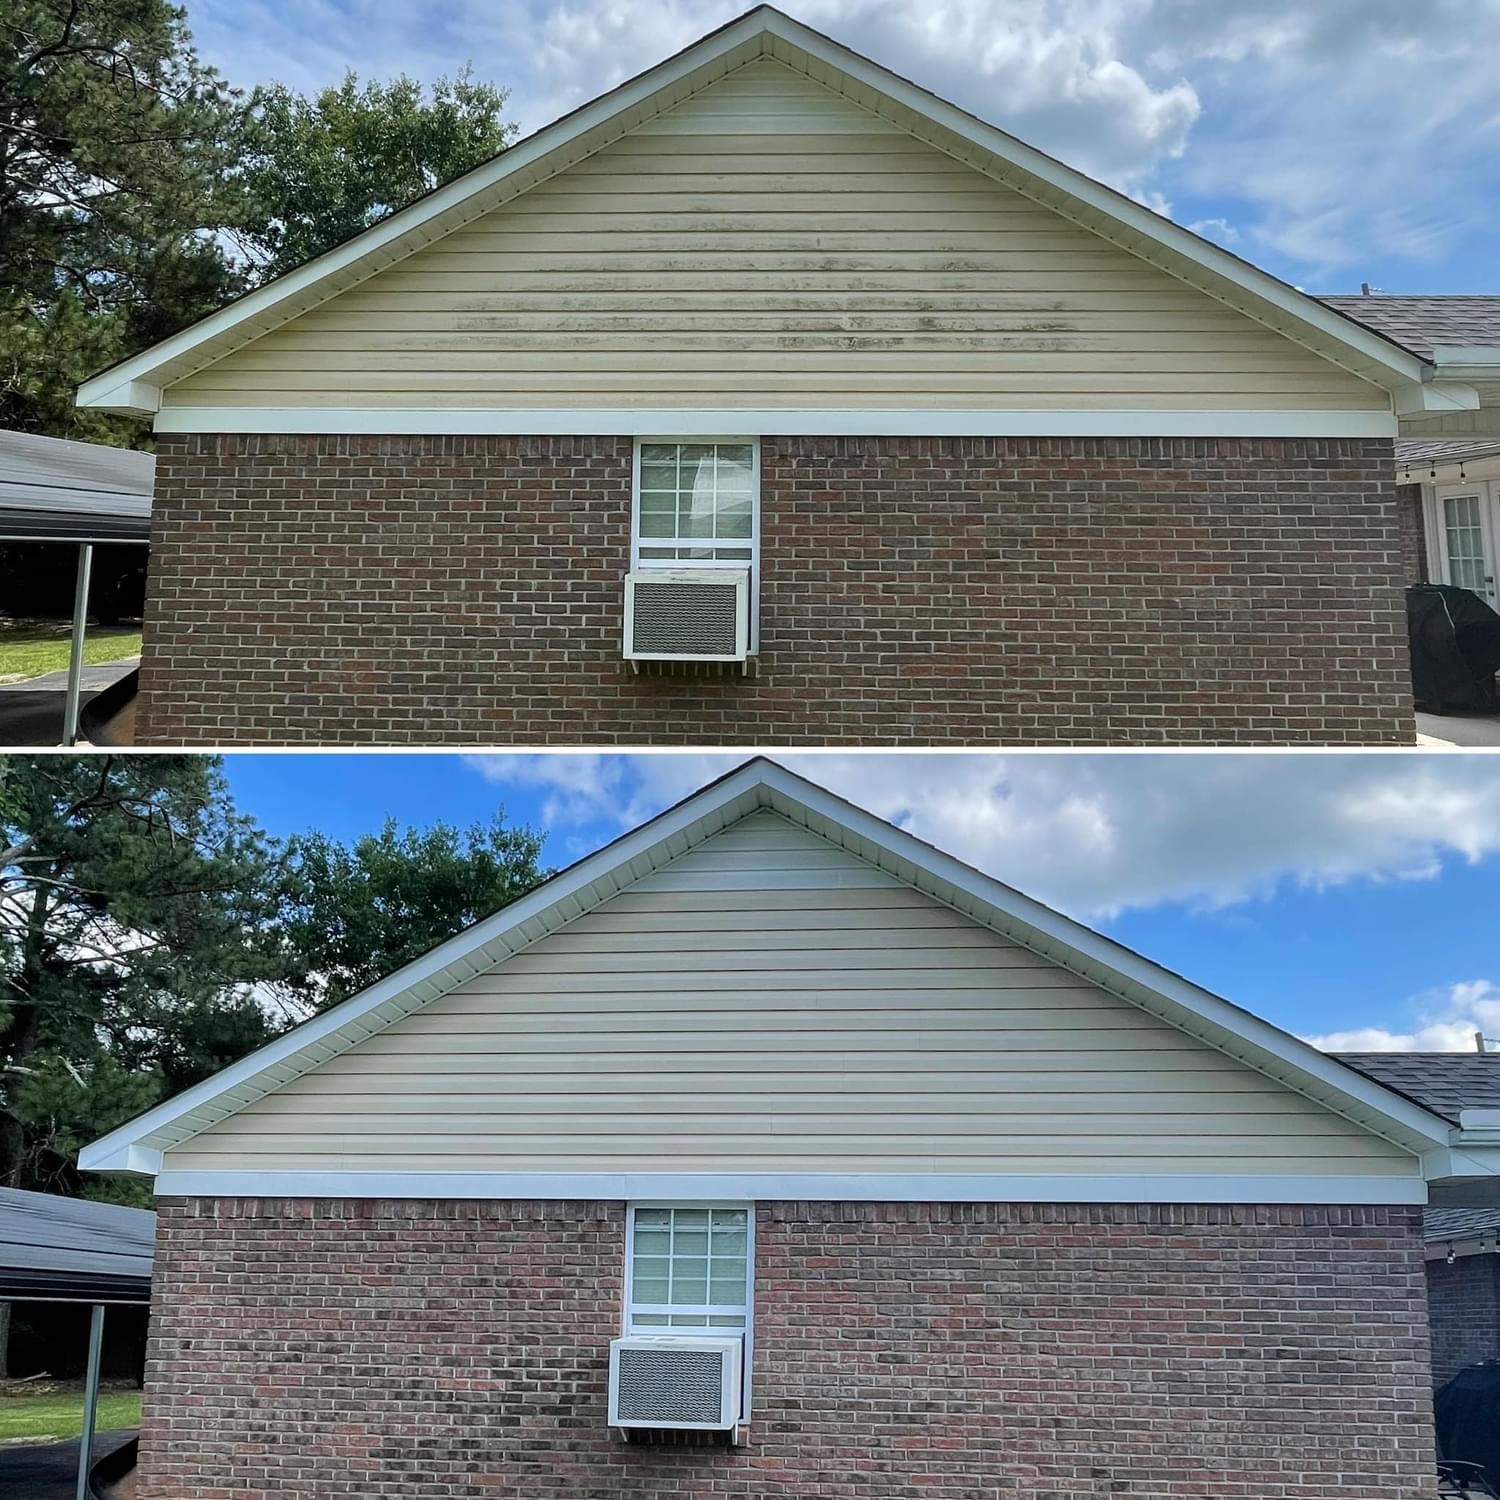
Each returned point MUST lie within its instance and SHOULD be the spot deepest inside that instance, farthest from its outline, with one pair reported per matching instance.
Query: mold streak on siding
(771, 1002)
(770, 244)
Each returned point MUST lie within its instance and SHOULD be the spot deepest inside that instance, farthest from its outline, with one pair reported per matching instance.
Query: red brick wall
(1049, 591)
(424, 1350)
(1413, 534)
(1464, 1306)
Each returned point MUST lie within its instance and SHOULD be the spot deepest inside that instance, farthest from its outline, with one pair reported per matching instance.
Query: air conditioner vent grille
(687, 614)
(699, 619)
(670, 1387)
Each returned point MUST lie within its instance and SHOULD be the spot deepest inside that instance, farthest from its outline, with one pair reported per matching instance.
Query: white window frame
(751, 544)
(747, 1342)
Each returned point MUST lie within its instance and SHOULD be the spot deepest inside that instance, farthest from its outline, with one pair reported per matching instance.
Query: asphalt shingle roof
(1423, 323)
(1420, 452)
(1444, 1082)
(1459, 1223)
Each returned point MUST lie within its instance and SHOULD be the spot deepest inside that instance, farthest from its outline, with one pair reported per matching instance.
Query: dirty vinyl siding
(769, 243)
(771, 1002)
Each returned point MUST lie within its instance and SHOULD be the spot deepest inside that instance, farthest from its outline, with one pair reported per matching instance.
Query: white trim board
(135, 385)
(138, 1146)
(787, 422)
(742, 1188)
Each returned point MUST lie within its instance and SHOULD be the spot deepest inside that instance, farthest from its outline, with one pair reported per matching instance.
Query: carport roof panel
(52, 489)
(68, 1249)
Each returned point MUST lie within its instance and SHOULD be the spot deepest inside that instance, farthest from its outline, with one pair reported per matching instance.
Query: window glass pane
(726, 1322)
(652, 1218)
(733, 477)
(659, 453)
(734, 518)
(689, 1241)
(688, 1320)
(651, 1278)
(689, 1218)
(652, 1241)
(650, 1320)
(689, 1282)
(658, 476)
(658, 515)
(726, 1289)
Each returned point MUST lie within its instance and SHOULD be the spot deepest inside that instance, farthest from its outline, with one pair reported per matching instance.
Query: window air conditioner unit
(675, 1381)
(687, 614)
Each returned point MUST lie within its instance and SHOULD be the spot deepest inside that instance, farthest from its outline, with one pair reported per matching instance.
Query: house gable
(769, 1004)
(768, 243)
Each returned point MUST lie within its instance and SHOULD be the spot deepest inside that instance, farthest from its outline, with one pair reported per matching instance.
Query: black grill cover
(1468, 1418)
(1455, 648)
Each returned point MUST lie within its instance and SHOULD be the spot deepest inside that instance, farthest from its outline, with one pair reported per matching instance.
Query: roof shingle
(1424, 323)
(1444, 1082)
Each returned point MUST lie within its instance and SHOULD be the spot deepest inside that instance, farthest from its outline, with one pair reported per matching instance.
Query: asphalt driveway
(49, 1471)
(31, 712)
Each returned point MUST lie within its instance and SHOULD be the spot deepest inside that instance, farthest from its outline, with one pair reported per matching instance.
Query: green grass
(61, 1416)
(30, 647)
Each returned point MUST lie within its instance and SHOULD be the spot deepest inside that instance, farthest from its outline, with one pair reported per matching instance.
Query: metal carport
(69, 1250)
(87, 494)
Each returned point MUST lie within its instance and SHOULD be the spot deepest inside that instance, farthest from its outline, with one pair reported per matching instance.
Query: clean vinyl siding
(770, 1002)
(769, 244)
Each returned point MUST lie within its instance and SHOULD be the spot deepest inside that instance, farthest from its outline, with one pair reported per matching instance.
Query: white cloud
(1444, 1022)
(1099, 834)
(1331, 133)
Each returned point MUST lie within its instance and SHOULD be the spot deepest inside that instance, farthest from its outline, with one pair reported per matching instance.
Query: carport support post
(90, 1398)
(75, 650)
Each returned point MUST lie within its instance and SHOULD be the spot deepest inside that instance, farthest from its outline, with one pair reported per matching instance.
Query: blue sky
(1333, 894)
(1331, 141)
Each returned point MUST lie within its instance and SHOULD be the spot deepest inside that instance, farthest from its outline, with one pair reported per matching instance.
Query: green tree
(353, 914)
(137, 916)
(116, 149)
(140, 191)
(318, 170)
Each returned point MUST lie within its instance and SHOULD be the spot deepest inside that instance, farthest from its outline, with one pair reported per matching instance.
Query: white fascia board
(1265, 1047)
(1096, 196)
(1467, 362)
(779, 421)
(842, 1187)
(130, 398)
(385, 237)
(421, 980)
(1479, 1119)
(383, 242)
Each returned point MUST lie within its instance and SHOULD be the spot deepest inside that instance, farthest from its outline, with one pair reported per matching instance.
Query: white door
(1466, 535)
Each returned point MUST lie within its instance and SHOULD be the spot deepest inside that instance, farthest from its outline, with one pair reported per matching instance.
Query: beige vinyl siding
(767, 243)
(771, 1002)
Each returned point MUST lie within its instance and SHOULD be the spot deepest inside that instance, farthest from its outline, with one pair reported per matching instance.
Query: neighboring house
(986, 1204)
(955, 444)
(1448, 488)
(1463, 1244)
